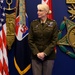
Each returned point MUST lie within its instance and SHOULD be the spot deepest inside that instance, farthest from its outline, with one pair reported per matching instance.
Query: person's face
(41, 13)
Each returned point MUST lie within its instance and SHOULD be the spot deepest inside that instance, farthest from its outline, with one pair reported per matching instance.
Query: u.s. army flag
(22, 52)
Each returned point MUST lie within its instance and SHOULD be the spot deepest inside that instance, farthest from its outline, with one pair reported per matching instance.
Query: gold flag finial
(9, 4)
(71, 8)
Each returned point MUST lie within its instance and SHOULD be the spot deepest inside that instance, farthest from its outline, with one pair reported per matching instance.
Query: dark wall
(64, 64)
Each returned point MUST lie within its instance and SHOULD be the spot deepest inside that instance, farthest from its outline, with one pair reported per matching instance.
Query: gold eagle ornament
(72, 11)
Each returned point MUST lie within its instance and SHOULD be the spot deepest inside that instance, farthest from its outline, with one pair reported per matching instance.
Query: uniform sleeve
(31, 41)
(53, 42)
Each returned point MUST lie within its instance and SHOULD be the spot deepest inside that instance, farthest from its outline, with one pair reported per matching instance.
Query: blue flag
(22, 51)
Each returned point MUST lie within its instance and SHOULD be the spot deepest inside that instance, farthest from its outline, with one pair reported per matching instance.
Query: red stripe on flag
(17, 24)
(1, 66)
(5, 67)
(4, 37)
(0, 42)
(5, 58)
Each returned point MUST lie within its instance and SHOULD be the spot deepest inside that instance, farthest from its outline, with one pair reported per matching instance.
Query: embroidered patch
(50, 24)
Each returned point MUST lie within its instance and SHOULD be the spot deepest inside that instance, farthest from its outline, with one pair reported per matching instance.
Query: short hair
(44, 7)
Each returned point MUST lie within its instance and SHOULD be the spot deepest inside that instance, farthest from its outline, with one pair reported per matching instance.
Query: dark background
(64, 64)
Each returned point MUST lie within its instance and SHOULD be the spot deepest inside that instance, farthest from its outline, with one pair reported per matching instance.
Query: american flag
(3, 51)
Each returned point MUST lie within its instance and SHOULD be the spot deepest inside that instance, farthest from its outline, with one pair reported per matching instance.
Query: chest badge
(50, 24)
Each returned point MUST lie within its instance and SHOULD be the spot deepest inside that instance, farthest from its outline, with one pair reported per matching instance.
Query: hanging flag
(50, 16)
(49, 2)
(22, 52)
(4, 70)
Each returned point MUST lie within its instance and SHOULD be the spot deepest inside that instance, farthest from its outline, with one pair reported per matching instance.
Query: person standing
(42, 39)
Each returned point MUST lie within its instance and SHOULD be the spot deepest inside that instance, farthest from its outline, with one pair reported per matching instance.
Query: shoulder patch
(53, 20)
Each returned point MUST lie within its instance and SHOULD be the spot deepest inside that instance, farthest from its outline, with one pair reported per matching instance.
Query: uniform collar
(47, 20)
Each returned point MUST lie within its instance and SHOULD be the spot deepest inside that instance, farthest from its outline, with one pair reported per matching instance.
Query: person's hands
(41, 55)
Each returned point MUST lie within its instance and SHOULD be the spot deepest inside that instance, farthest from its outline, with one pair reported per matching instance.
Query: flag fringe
(18, 69)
